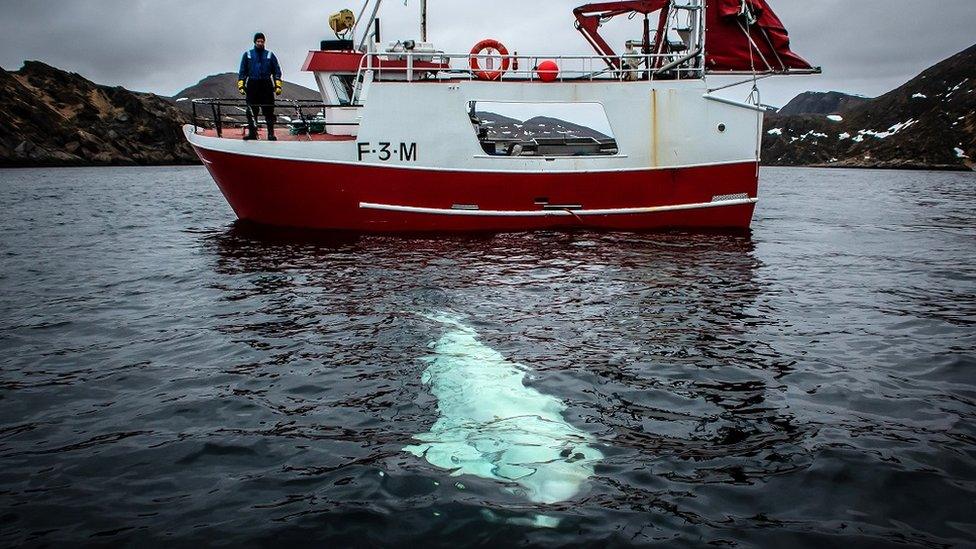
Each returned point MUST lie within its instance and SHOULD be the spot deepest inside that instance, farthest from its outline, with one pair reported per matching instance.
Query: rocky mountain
(928, 123)
(55, 118)
(822, 103)
(225, 86)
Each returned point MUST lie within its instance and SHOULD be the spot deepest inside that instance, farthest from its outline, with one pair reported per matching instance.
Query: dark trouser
(260, 100)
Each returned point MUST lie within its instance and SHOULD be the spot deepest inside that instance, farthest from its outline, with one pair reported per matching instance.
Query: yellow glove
(277, 87)
(240, 87)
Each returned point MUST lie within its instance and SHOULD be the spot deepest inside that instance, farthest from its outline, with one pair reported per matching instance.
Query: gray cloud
(866, 47)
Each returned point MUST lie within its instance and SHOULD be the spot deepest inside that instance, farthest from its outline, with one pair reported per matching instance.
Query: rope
(772, 48)
(753, 47)
(755, 95)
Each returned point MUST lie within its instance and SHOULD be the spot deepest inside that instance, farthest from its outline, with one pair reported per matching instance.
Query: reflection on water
(169, 377)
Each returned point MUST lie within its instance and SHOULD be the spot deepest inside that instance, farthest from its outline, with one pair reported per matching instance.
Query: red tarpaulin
(728, 45)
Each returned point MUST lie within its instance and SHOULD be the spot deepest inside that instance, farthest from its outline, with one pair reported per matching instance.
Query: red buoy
(548, 71)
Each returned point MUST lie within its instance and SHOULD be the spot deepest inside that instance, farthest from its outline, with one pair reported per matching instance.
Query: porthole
(721, 128)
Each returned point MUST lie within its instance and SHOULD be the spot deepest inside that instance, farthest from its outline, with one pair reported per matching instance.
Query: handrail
(220, 117)
(277, 103)
(632, 66)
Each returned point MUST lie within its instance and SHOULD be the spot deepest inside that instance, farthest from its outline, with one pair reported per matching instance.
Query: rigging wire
(359, 18)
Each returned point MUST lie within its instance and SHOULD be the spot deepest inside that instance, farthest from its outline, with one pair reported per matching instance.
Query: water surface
(169, 376)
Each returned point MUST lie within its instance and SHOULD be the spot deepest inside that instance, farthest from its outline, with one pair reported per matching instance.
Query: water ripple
(170, 376)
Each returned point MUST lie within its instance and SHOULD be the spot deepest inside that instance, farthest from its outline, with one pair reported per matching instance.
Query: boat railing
(426, 65)
(300, 115)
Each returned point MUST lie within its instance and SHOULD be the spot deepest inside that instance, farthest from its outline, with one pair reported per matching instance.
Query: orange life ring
(484, 74)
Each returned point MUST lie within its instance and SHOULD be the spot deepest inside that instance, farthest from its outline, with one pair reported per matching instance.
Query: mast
(423, 20)
(696, 40)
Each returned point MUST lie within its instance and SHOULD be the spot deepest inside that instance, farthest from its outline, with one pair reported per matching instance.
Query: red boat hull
(336, 196)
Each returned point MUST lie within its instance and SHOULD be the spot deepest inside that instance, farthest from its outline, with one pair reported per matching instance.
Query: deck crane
(591, 16)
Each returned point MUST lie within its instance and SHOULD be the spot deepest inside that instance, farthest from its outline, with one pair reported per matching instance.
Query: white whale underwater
(492, 426)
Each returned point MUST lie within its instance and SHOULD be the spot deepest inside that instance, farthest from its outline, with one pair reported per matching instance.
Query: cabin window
(343, 85)
(542, 129)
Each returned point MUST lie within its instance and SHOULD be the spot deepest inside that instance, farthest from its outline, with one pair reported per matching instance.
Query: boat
(409, 138)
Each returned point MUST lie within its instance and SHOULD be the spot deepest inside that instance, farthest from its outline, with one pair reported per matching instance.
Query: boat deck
(282, 134)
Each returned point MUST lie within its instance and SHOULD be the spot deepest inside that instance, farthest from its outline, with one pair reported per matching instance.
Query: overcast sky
(865, 46)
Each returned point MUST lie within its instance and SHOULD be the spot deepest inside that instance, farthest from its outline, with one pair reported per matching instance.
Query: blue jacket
(259, 65)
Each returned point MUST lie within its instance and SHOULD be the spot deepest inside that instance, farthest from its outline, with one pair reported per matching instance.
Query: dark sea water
(170, 377)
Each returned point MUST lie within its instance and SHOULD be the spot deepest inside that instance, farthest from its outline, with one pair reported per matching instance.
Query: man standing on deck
(260, 80)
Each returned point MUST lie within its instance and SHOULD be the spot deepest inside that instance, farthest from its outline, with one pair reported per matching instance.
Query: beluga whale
(491, 425)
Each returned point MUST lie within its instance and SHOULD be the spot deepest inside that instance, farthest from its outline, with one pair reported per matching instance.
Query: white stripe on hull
(554, 213)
